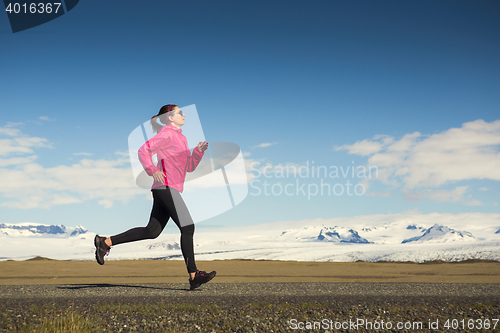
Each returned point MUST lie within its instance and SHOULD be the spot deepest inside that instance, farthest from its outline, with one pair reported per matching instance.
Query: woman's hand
(202, 146)
(159, 177)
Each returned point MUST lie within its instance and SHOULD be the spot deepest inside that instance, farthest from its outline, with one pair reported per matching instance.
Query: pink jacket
(174, 157)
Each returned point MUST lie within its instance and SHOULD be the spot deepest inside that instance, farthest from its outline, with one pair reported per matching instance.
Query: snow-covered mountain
(441, 234)
(395, 237)
(36, 229)
(324, 234)
(164, 246)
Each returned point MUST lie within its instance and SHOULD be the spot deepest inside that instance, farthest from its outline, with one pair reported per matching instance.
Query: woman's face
(177, 117)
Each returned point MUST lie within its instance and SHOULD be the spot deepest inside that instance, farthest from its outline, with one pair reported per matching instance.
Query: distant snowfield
(395, 237)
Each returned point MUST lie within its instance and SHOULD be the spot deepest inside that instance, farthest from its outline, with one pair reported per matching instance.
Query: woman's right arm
(150, 148)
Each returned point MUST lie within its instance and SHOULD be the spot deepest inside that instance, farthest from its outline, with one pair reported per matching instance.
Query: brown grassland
(44, 271)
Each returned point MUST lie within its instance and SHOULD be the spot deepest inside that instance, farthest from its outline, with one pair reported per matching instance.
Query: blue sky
(341, 83)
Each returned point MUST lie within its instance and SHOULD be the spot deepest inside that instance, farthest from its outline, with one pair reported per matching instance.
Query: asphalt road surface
(253, 307)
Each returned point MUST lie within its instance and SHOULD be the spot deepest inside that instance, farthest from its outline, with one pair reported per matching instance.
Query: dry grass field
(44, 271)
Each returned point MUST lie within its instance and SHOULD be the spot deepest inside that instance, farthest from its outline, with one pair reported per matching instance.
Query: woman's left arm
(195, 158)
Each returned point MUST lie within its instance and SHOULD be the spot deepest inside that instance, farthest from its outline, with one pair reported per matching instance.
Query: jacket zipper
(187, 160)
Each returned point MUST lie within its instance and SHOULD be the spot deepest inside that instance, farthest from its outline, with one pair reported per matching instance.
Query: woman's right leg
(174, 204)
(157, 222)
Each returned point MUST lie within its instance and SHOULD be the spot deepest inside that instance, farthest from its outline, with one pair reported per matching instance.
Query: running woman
(174, 160)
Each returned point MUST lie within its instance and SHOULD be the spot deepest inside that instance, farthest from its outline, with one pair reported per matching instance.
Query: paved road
(252, 289)
(245, 307)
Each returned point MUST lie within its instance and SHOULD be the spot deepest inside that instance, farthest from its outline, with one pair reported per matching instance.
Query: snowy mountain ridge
(37, 229)
(378, 235)
(396, 237)
(335, 234)
(441, 234)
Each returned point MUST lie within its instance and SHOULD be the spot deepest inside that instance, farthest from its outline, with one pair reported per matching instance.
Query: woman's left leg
(179, 212)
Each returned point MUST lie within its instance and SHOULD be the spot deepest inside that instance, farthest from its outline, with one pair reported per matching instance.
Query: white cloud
(9, 130)
(12, 141)
(83, 154)
(474, 203)
(455, 195)
(411, 196)
(483, 189)
(26, 184)
(417, 160)
(16, 160)
(45, 118)
(33, 186)
(106, 203)
(266, 144)
(363, 148)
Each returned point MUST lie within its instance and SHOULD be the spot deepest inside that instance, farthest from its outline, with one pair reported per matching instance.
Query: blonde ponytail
(156, 127)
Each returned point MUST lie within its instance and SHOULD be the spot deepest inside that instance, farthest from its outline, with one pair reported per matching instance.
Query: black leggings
(167, 204)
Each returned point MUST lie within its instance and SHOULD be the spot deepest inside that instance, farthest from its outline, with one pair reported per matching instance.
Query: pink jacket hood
(173, 154)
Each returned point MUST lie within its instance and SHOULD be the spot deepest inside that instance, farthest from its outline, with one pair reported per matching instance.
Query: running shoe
(200, 278)
(101, 249)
